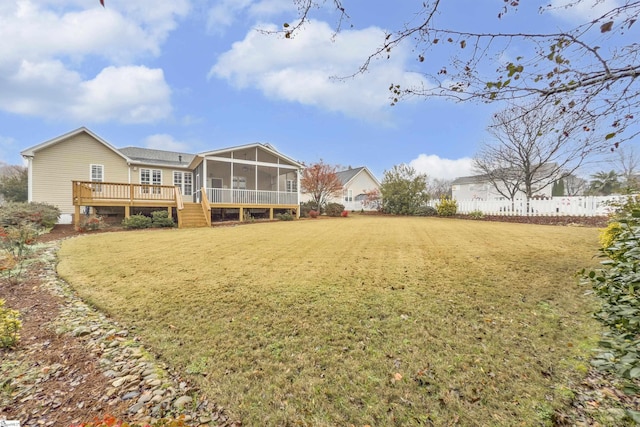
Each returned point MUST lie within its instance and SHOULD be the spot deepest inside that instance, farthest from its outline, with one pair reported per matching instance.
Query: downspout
(30, 178)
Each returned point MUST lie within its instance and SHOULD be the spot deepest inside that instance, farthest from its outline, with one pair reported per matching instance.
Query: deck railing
(87, 192)
(250, 197)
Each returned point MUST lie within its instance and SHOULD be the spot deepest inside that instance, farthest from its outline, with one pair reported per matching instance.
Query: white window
(292, 186)
(184, 181)
(151, 177)
(240, 182)
(348, 196)
(97, 175)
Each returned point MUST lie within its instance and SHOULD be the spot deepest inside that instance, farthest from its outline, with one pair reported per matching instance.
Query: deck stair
(192, 216)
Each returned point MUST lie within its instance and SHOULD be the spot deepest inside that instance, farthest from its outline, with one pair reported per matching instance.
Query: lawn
(361, 320)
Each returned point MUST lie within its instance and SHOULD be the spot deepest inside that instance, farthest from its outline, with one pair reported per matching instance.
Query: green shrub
(426, 211)
(10, 326)
(617, 284)
(40, 214)
(285, 216)
(137, 221)
(447, 207)
(477, 214)
(334, 209)
(161, 219)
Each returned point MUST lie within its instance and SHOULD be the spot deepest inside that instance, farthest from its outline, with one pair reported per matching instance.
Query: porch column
(271, 214)
(241, 214)
(127, 211)
(169, 211)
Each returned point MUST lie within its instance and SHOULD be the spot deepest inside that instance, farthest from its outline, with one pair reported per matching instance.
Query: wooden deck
(113, 194)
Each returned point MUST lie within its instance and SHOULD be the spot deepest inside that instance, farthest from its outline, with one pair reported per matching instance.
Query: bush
(426, 211)
(334, 209)
(285, 216)
(15, 244)
(344, 214)
(10, 326)
(477, 214)
(161, 219)
(447, 207)
(91, 223)
(137, 221)
(40, 214)
(306, 208)
(313, 214)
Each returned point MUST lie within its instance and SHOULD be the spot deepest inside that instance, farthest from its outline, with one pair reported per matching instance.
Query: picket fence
(555, 206)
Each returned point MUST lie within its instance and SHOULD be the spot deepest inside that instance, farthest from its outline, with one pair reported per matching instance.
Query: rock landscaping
(73, 363)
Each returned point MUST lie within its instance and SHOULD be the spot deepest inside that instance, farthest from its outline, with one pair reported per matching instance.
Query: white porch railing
(251, 197)
(556, 206)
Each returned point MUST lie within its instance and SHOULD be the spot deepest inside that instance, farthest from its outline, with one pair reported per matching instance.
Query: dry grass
(364, 320)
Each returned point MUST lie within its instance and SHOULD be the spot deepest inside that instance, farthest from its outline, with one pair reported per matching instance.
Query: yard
(363, 320)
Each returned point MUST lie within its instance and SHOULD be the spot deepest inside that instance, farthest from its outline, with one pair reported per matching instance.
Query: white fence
(556, 206)
(252, 197)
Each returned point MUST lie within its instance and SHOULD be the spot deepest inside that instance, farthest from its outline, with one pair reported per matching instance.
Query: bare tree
(531, 149)
(626, 162)
(588, 69)
(438, 188)
(575, 186)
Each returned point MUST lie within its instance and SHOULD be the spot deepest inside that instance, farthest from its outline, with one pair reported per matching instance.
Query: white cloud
(300, 69)
(225, 13)
(165, 142)
(436, 167)
(53, 42)
(581, 11)
(131, 94)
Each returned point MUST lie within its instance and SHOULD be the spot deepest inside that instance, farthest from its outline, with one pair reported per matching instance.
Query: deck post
(76, 217)
(271, 214)
(127, 211)
(169, 211)
(241, 214)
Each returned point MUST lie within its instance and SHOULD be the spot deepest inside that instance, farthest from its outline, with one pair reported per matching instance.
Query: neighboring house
(356, 183)
(80, 172)
(479, 187)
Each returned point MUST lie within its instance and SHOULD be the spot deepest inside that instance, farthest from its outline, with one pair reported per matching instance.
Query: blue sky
(195, 75)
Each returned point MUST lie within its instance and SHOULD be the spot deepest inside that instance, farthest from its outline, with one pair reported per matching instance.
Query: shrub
(10, 326)
(137, 221)
(447, 207)
(617, 285)
(161, 219)
(91, 223)
(334, 209)
(344, 214)
(40, 214)
(15, 243)
(285, 216)
(477, 214)
(306, 208)
(426, 211)
(313, 214)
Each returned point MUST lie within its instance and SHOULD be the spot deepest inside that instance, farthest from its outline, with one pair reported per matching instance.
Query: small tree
(321, 182)
(404, 190)
(14, 183)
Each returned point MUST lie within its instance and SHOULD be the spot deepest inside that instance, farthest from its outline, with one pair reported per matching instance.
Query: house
(356, 183)
(480, 187)
(79, 172)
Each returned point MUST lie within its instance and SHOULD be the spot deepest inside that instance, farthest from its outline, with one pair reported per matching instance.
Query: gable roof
(267, 147)
(30, 152)
(157, 157)
(348, 175)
